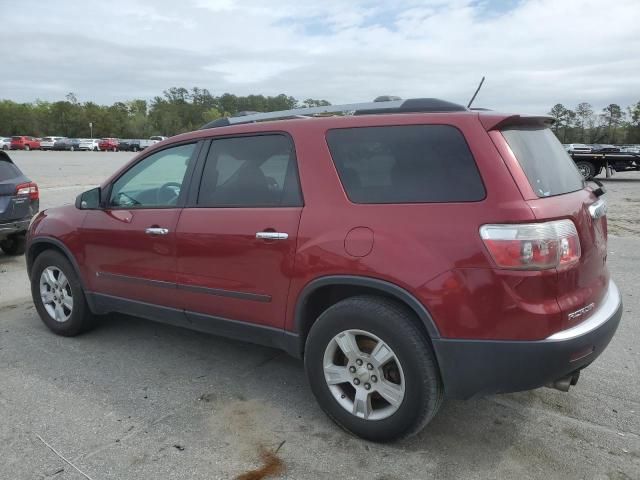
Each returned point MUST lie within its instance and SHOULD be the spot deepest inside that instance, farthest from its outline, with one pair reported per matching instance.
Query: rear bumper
(478, 367)
(16, 226)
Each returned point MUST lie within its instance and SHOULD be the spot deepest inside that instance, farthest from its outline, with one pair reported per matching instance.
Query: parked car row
(25, 142)
(600, 148)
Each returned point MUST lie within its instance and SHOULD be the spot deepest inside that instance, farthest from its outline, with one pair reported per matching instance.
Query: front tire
(58, 295)
(27, 148)
(372, 370)
(14, 245)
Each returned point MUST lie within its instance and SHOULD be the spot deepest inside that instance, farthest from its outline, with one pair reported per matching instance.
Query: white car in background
(89, 144)
(5, 143)
(47, 142)
(578, 148)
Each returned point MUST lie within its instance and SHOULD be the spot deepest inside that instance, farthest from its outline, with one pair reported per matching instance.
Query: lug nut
(356, 381)
(352, 369)
(374, 379)
(367, 386)
(359, 362)
(369, 366)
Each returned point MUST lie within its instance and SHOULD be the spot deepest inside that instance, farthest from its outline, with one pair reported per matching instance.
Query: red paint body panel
(218, 249)
(114, 245)
(434, 251)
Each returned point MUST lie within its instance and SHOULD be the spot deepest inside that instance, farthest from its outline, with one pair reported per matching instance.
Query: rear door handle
(272, 235)
(156, 231)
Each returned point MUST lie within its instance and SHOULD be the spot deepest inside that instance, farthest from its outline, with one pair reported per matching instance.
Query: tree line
(612, 125)
(180, 110)
(177, 110)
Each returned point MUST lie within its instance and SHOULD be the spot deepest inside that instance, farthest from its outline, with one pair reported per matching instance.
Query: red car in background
(23, 142)
(108, 145)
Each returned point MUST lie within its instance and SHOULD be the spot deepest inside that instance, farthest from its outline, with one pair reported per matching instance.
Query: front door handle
(272, 235)
(156, 231)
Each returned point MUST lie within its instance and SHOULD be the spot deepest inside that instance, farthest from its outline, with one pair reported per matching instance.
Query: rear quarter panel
(433, 250)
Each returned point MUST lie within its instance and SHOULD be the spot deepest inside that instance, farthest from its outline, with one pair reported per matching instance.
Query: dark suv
(406, 250)
(19, 202)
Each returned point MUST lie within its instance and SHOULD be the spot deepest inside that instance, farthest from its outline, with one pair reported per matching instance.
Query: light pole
(91, 128)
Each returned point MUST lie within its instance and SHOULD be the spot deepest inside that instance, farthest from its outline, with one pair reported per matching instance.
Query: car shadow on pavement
(478, 429)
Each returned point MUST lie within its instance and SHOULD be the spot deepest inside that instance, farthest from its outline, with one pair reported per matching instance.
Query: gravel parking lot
(138, 400)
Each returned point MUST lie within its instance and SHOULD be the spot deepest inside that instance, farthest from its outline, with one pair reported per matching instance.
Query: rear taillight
(532, 246)
(30, 189)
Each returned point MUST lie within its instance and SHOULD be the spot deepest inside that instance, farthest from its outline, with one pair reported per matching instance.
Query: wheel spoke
(49, 277)
(62, 280)
(391, 392)
(382, 354)
(335, 374)
(347, 343)
(362, 404)
(47, 296)
(67, 301)
(60, 316)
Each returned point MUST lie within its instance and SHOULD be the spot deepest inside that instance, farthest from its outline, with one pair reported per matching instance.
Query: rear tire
(54, 279)
(409, 377)
(587, 169)
(14, 245)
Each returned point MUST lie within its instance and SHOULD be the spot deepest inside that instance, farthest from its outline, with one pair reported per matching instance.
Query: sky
(534, 53)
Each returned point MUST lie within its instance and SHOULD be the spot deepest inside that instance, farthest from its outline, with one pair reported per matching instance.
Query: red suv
(109, 144)
(407, 251)
(23, 142)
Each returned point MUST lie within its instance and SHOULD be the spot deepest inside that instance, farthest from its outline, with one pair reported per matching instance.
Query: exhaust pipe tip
(563, 384)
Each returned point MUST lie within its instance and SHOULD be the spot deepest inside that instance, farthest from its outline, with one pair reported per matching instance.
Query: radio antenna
(476, 93)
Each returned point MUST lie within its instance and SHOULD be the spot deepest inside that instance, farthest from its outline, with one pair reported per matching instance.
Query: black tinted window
(548, 167)
(257, 171)
(405, 164)
(8, 171)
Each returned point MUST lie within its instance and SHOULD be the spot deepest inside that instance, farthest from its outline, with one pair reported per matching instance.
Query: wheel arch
(323, 292)
(41, 244)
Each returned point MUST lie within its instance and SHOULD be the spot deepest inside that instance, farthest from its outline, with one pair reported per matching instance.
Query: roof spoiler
(499, 122)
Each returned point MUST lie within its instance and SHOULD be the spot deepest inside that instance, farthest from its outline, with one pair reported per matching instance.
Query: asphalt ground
(138, 400)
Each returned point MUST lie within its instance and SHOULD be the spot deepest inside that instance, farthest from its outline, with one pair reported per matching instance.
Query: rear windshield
(8, 171)
(548, 167)
(405, 164)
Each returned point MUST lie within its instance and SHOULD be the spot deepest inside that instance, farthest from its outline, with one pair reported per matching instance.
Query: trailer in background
(592, 164)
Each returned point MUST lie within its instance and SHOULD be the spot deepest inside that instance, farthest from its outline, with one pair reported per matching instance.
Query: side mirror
(89, 200)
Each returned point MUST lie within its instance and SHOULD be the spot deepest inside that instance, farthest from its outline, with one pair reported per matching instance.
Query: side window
(256, 171)
(155, 181)
(405, 164)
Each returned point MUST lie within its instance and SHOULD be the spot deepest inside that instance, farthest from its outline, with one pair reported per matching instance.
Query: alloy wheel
(364, 375)
(56, 294)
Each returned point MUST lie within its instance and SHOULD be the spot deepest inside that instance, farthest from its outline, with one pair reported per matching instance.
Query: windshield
(548, 167)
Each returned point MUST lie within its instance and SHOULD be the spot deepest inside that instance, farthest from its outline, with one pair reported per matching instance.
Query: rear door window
(548, 167)
(8, 171)
(405, 164)
(250, 171)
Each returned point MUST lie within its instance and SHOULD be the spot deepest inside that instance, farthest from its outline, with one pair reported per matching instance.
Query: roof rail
(412, 105)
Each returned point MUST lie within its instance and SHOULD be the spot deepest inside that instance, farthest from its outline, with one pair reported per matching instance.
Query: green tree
(613, 116)
(584, 114)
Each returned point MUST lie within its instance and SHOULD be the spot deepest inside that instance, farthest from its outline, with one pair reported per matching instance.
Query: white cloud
(534, 52)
